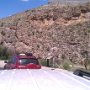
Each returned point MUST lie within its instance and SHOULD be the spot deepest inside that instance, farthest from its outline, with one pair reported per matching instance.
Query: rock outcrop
(62, 32)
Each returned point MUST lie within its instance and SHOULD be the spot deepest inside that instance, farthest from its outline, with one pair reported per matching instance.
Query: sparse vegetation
(3, 53)
(66, 66)
(43, 62)
(1, 24)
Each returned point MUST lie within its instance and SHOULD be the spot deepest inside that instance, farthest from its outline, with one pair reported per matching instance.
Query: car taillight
(38, 66)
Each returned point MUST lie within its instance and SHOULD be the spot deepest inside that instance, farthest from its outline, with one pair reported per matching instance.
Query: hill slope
(62, 32)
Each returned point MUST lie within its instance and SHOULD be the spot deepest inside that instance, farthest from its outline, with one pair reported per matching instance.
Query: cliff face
(62, 32)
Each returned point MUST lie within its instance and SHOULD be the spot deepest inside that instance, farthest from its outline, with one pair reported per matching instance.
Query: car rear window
(25, 61)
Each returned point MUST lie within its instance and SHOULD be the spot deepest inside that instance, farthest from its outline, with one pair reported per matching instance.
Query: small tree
(66, 66)
(3, 53)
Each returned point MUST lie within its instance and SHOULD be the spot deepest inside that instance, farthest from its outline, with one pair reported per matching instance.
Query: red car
(23, 61)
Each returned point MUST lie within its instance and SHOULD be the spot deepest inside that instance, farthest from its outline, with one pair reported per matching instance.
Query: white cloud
(25, 0)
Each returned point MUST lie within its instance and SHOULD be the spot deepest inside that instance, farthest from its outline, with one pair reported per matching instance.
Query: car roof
(25, 56)
(16, 57)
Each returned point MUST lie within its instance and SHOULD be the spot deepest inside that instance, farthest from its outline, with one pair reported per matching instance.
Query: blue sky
(10, 7)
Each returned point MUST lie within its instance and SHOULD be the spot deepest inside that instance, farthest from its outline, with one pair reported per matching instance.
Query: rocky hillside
(50, 31)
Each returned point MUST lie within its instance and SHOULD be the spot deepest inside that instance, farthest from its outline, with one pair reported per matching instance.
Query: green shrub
(3, 53)
(43, 62)
(88, 30)
(1, 24)
(66, 66)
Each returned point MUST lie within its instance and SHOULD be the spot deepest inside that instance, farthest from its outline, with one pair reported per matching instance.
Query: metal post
(48, 64)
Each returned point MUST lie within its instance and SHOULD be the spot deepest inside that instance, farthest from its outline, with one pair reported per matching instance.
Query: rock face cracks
(59, 31)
